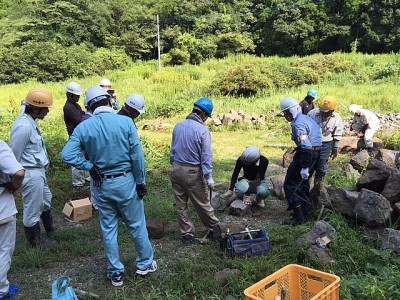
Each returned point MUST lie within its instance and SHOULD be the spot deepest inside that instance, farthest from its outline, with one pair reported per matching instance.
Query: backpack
(61, 289)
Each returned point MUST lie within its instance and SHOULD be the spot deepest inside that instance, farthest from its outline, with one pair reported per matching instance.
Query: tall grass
(188, 272)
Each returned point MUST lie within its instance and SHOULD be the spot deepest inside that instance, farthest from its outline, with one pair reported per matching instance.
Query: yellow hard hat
(328, 103)
(40, 98)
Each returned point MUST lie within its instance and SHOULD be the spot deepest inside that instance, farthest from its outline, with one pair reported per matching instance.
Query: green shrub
(179, 57)
(241, 80)
(49, 61)
(324, 66)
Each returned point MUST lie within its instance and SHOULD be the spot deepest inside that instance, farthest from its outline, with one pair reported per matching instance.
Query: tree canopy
(190, 31)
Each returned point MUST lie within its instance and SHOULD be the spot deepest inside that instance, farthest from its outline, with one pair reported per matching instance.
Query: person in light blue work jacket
(119, 182)
(307, 135)
(29, 149)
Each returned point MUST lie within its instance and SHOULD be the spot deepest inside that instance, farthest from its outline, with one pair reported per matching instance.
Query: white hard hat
(95, 94)
(135, 101)
(355, 109)
(74, 88)
(105, 82)
(250, 155)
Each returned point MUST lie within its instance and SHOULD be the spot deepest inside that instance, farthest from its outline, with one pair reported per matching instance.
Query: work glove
(210, 183)
(304, 173)
(334, 153)
(141, 190)
(10, 187)
(247, 199)
(96, 176)
(227, 194)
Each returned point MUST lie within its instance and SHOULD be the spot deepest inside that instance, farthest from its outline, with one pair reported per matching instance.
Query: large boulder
(391, 191)
(372, 208)
(351, 144)
(277, 186)
(389, 157)
(375, 176)
(391, 240)
(360, 160)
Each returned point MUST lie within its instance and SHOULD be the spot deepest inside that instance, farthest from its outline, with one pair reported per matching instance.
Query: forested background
(51, 40)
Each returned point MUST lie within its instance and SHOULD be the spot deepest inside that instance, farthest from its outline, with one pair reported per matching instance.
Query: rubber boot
(48, 224)
(298, 215)
(306, 208)
(32, 234)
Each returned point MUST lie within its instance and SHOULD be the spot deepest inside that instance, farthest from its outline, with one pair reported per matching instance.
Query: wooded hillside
(50, 40)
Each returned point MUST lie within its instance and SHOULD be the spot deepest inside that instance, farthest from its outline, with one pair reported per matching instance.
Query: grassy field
(188, 272)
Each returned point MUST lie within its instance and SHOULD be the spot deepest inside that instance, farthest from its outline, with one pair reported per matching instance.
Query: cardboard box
(78, 210)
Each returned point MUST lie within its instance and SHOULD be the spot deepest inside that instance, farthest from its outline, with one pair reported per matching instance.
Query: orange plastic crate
(302, 283)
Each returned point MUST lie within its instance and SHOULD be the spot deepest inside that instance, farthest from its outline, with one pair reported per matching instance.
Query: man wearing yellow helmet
(29, 149)
(331, 125)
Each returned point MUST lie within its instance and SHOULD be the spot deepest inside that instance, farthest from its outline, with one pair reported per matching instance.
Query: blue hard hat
(312, 93)
(287, 103)
(205, 104)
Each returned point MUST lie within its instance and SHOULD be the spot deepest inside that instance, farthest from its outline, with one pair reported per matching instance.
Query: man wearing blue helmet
(191, 172)
(308, 103)
(307, 135)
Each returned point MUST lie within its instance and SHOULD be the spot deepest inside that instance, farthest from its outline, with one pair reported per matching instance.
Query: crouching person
(254, 167)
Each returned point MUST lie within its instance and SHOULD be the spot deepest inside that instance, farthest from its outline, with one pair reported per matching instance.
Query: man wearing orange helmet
(29, 149)
(331, 125)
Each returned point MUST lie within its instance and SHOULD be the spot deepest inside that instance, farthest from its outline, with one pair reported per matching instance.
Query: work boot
(247, 199)
(32, 234)
(297, 218)
(318, 179)
(260, 202)
(370, 151)
(48, 224)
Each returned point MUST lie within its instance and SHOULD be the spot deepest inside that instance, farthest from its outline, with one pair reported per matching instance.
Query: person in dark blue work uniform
(307, 135)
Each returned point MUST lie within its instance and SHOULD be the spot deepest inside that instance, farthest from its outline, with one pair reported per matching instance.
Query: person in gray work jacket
(191, 172)
(29, 149)
(307, 136)
(331, 125)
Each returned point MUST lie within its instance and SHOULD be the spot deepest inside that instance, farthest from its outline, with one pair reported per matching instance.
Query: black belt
(316, 148)
(108, 176)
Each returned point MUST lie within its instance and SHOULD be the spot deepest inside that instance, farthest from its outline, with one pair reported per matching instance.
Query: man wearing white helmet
(29, 149)
(73, 115)
(119, 181)
(365, 123)
(307, 136)
(254, 167)
(133, 108)
(106, 85)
